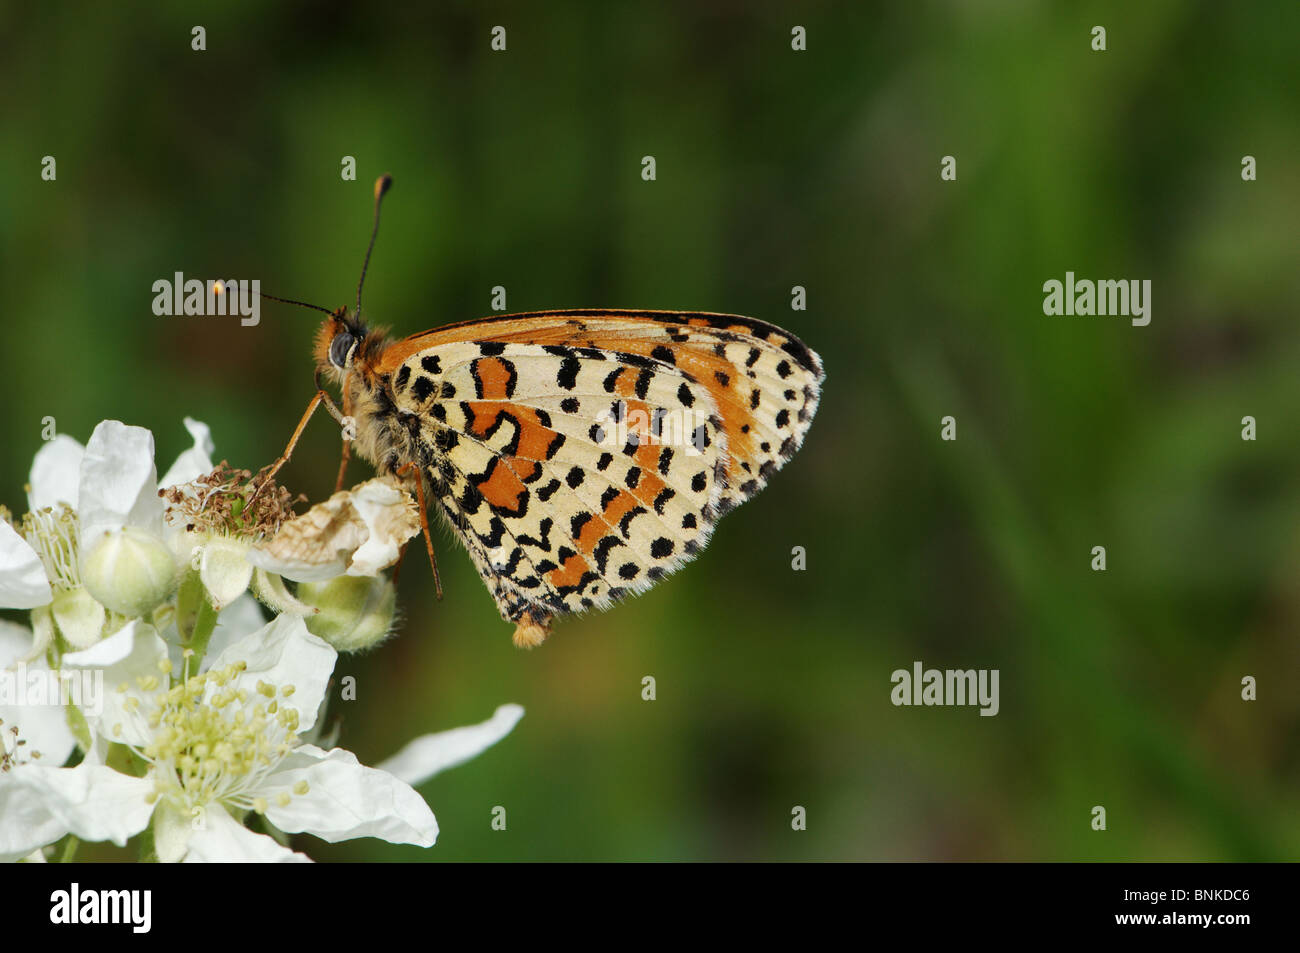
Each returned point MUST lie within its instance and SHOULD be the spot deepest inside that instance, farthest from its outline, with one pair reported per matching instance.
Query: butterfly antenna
(381, 186)
(301, 304)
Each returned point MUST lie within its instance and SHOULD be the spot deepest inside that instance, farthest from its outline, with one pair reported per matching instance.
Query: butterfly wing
(582, 455)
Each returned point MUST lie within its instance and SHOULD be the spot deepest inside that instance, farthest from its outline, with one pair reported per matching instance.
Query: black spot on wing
(626, 521)
(601, 552)
(578, 522)
(567, 376)
(643, 382)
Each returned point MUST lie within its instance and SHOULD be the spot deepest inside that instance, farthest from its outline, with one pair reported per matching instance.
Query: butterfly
(581, 455)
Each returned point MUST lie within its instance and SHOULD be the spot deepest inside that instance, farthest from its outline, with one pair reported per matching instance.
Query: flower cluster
(151, 694)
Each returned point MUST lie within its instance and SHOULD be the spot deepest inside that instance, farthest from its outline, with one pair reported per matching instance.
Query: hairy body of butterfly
(579, 455)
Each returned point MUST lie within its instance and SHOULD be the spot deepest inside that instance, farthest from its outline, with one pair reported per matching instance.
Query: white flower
(229, 741)
(80, 498)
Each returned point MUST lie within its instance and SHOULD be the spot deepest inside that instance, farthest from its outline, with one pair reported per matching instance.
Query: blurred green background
(775, 168)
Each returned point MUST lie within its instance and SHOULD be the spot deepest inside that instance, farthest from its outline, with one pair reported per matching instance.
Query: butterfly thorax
(378, 434)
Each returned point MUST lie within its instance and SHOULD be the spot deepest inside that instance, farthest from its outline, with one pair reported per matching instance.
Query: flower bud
(355, 612)
(129, 571)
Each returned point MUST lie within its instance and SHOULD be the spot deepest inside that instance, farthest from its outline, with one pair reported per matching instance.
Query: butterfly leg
(343, 464)
(268, 473)
(402, 471)
(349, 426)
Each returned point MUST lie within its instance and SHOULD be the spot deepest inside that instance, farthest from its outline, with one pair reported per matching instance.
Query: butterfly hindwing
(567, 502)
(581, 456)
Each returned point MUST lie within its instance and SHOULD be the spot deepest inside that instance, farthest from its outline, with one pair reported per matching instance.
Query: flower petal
(315, 545)
(284, 653)
(236, 621)
(345, 799)
(391, 518)
(428, 755)
(131, 660)
(22, 575)
(119, 485)
(221, 839)
(94, 802)
(55, 474)
(171, 833)
(15, 642)
(25, 822)
(360, 531)
(194, 462)
(297, 569)
(43, 727)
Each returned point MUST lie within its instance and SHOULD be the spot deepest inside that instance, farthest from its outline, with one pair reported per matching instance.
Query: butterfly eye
(341, 349)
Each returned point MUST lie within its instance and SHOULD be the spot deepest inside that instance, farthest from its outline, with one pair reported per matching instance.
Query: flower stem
(69, 849)
(195, 615)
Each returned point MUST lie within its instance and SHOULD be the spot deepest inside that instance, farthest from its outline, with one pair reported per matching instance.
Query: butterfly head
(338, 341)
(344, 343)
